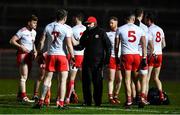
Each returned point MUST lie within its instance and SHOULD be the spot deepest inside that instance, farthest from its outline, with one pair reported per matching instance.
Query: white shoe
(26, 99)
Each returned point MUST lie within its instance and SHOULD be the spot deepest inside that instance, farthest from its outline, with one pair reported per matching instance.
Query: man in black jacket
(96, 56)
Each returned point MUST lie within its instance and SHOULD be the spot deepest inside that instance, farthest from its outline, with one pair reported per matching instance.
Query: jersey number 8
(158, 36)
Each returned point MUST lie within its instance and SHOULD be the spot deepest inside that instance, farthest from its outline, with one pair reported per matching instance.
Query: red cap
(91, 19)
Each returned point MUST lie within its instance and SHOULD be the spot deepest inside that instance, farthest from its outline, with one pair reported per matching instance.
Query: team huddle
(132, 52)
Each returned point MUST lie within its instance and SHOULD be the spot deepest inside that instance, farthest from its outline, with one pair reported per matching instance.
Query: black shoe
(128, 105)
(141, 105)
(86, 104)
(98, 105)
(63, 107)
(38, 106)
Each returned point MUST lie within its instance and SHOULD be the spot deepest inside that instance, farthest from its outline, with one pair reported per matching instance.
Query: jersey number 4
(131, 36)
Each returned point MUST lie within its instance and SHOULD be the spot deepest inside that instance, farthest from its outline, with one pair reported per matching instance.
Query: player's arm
(41, 43)
(163, 43)
(74, 41)
(70, 46)
(14, 41)
(144, 49)
(151, 46)
(83, 41)
(116, 47)
(117, 42)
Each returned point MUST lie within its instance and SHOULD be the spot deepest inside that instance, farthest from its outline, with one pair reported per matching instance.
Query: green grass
(9, 105)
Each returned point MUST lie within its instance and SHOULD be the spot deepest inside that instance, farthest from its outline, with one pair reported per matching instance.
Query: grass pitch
(9, 105)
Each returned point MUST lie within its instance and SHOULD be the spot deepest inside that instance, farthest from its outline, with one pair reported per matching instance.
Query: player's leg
(45, 87)
(77, 68)
(23, 70)
(24, 63)
(137, 86)
(70, 85)
(117, 87)
(158, 82)
(48, 96)
(143, 77)
(62, 87)
(133, 88)
(150, 70)
(38, 82)
(111, 85)
(127, 78)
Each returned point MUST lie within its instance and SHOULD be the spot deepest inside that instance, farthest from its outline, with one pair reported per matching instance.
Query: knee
(23, 79)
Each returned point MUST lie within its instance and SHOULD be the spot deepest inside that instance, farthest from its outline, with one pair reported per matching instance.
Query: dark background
(13, 15)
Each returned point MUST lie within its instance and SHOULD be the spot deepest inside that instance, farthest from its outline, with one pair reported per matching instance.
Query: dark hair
(138, 12)
(151, 16)
(128, 15)
(114, 18)
(137, 22)
(80, 16)
(60, 14)
(32, 18)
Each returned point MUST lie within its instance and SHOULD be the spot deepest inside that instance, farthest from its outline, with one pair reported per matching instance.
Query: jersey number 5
(131, 36)
(158, 37)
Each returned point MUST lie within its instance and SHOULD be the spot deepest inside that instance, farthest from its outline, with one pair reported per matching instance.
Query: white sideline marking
(4, 95)
(119, 109)
(112, 109)
(105, 108)
(8, 95)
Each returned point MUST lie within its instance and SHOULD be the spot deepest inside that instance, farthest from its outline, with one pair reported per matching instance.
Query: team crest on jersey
(96, 36)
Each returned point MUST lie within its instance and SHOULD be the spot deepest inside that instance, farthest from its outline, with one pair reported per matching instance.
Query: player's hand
(143, 63)
(117, 60)
(155, 57)
(24, 49)
(35, 54)
(73, 62)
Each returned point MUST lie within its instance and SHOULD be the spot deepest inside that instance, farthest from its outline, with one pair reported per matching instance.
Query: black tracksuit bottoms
(92, 74)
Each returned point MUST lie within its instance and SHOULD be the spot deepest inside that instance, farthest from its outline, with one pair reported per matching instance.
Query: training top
(77, 33)
(111, 36)
(157, 35)
(129, 35)
(56, 34)
(26, 38)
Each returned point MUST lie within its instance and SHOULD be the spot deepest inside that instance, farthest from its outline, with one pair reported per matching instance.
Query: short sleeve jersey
(130, 35)
(147, 35)
(26, 38)
(77, 33)
(111, 36)
(157, 35)
(56, 34)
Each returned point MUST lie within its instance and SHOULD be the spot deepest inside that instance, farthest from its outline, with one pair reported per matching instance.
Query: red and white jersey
(147, 36)
(26, 38)
(111, 36)
(56, 34)
(130, 35)
(157, 35)
(77, 33)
